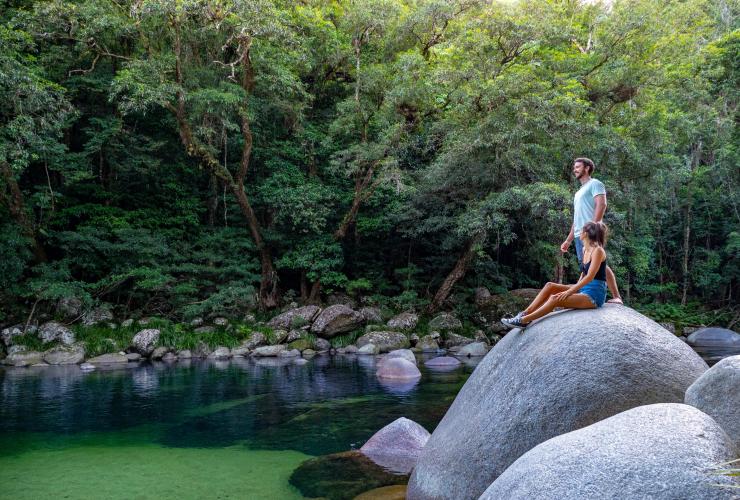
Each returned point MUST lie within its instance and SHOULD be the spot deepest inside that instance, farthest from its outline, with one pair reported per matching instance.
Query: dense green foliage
(194, 157)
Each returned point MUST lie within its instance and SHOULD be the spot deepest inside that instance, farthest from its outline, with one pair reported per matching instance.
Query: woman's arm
(597, 257)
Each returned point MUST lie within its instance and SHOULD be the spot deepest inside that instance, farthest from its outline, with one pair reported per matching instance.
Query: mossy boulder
(300, 344)
(341, 476)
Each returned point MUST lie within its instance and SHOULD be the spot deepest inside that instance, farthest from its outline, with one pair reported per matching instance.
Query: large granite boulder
(386, 341)
(717, 393)
(51, 331)
(65, 355)
(23, 358)
(659, 451)
(294, 318)
(145, 341)
(714, 337)
(397, 445)
(404, 321)
(335, 320)
(398, 369)
(372, 315)
(445, 322)
(564, 372)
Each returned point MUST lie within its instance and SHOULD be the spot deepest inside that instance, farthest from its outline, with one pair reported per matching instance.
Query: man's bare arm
(600, 208)
(566, 244)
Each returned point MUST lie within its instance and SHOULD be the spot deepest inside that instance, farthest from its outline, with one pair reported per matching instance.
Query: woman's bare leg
(575, 301)
(548, 290)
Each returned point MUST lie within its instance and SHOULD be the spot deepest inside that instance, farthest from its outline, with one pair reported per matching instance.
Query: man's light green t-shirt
(584, 204)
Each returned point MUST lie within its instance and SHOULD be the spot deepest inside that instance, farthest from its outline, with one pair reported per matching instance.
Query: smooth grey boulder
(717, 393)
(454, 340)
(445, 322)
(714, 337)
(65, 355)
(110, 358)
(100, 314)
(404, 321)
(368, 350)
(397, 445)
(351, 349)
(398, 369)
(564, 372)
(184, 354)
(145, 340)
(51, 331)
(240, 351)
(406, 354)
(292, 353)
(372, 315)
(385, 341)
(335, 320)
(269, 350)
(133, 356)
(286, 320)
(220, 352)
(660, 451)
(476, 349)
(23, 358)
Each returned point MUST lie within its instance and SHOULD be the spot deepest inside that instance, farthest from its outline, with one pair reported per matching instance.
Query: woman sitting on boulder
(588, 293)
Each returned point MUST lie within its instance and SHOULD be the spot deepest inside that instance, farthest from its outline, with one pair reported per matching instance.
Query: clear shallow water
(197, 429)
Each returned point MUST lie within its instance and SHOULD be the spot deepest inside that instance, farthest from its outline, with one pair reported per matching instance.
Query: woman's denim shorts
(596, 291)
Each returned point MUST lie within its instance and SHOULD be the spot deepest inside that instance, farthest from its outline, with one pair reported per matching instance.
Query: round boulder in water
(398, 369)
(564, 372)
(717, 393)
(714, 337)
(660, 451)
(397, 445)
(443, 362)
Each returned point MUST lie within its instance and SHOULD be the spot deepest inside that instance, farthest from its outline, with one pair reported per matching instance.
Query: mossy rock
(341, 476)
(300, 344)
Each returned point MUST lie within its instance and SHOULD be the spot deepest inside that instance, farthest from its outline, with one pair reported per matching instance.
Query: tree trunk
(17, 209)
(695, 159)
(461, 267)
(313, 297)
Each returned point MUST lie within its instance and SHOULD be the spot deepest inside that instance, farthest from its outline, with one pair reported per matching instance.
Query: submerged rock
(443, 362)
(564, 372)
(660, 451)
(335, 320)
(717, 393)
(341, 476)
(292, 353)
(397, 445)
(385, 341)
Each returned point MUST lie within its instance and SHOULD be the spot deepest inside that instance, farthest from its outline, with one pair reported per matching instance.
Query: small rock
(184, 354)
(241, 351)
(158, 353)
(413, 339)
(87, 367)
(257, 339)
(221, 322)
(300, 344)
(293, 353)
(127, 323)
(170, 357)
(404, 321)
(294, 335)
(369, 349)
(428, 343)
(280, 336)
(249, 318)
(300, 361)
(196, 322)
(133, 356)
(309, 353)
(144, 321)
(351, 349)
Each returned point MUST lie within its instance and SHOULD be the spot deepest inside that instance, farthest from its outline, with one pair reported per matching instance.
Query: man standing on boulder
(589, 204)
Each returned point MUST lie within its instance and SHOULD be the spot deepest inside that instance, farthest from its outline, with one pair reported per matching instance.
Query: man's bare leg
(611, 282)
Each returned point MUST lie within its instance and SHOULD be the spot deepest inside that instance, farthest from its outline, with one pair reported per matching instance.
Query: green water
(195, 429)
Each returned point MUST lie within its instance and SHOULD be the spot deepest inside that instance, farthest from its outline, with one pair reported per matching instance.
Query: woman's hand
(559, 297)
